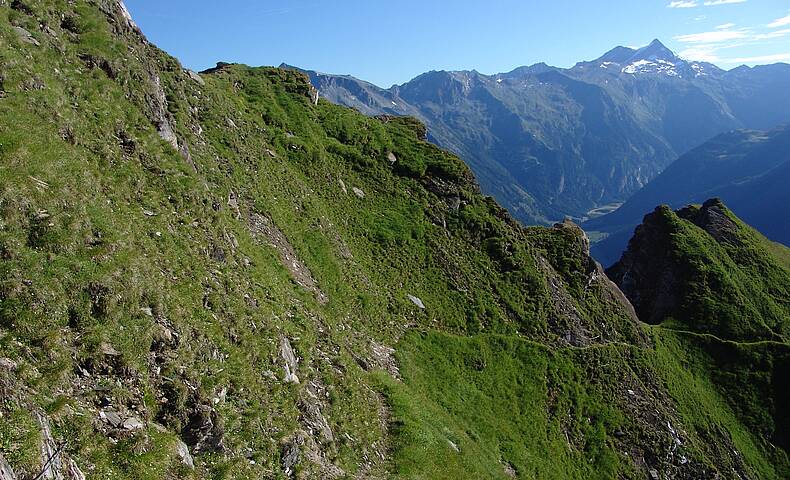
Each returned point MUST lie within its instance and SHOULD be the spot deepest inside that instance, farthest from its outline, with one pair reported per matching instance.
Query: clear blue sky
(390, 42)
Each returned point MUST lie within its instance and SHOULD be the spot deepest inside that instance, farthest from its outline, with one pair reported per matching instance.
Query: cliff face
(214, 275)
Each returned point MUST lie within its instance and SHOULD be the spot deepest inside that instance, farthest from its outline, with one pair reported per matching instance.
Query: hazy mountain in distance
(748, 169)
(550, 142)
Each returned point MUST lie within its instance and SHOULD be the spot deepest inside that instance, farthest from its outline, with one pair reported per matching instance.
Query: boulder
(111, 418)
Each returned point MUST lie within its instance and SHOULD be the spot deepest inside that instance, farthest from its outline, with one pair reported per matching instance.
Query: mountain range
(748, 169)
(220, 275)
(551, 142)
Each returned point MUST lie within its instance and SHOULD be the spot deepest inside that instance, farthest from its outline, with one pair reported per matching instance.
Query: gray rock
(6, 472)
(358, 192)
(112, 418)
(392, 158)
(417, 302)
(290, 457)
(183, 453)
(73, 471)
(127, 16)
(342, 185)
(109, 350)
(310, 406)
(7, 364)
(133, 423)
(290, 362)
(196, 77)
(653, 474)
(159, 113)
(26, 36)
(51, 462)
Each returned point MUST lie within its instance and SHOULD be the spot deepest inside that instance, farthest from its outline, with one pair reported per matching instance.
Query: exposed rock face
(712, 218)
(6, 472)
(264, 229)
(205, 431)
(290, 362)
(25, 36)
(646, 274)
(159, 114)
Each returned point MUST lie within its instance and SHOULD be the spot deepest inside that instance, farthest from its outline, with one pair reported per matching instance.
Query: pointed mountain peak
(654, 51)
(617, 55)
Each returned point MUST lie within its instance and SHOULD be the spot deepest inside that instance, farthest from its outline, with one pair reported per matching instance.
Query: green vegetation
(161, 284)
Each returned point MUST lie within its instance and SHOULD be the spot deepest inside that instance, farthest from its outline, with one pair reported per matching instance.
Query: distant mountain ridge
(748, 169)
(549, 142)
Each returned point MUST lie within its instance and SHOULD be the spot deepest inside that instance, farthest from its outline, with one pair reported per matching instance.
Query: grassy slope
(108, 236)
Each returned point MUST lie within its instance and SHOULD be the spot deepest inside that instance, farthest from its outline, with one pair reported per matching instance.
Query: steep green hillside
(219, 276)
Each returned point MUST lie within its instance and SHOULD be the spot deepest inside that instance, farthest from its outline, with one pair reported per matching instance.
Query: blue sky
(390, 42)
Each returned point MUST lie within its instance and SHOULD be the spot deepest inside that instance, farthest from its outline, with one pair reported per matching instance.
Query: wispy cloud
(713, 3)
(707, 46)
(701, 53)
(707, 3)
(780, 22)
(683, 4)
(715, 36)
(779, 57)
(775, 34)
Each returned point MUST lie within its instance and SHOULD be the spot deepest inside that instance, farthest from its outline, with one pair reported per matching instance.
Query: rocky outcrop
(6, 472)
(646, 273)
(290, 362)
(262, 228)
(712, 218)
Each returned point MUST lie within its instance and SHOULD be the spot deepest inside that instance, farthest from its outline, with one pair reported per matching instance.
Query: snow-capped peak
(654, 58)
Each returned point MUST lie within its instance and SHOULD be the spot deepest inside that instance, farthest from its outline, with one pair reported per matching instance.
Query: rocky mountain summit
(221, 275)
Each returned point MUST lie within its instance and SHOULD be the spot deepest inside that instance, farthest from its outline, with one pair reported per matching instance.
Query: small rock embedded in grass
(109, 350)
(358, 192)
(110, 417)
(133, 423)
(196, 77)
(7, 364)
(417, 302)
(183, 453)
(26, 36)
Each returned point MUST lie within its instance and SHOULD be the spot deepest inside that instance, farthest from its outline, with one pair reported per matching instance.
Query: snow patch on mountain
(657, 66)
